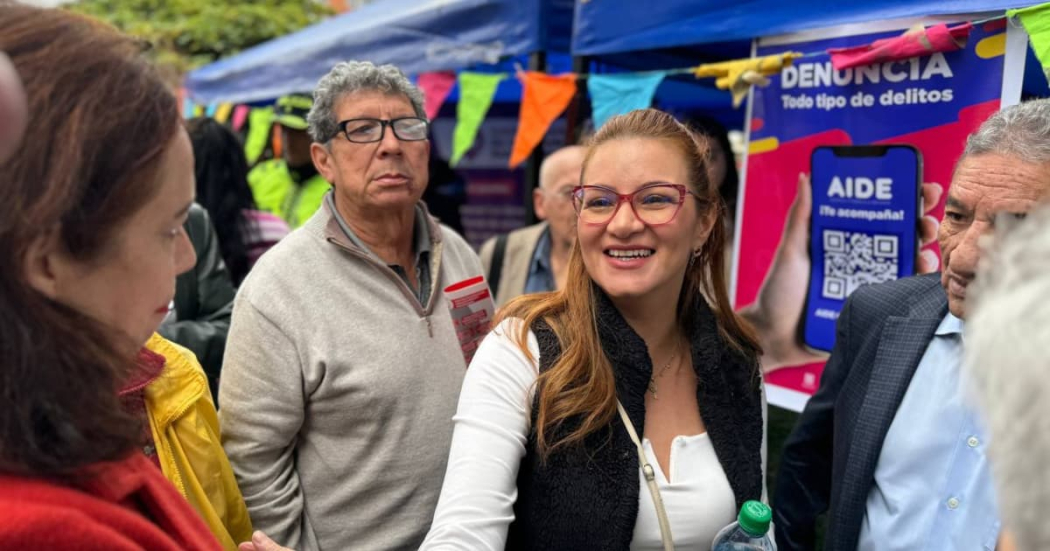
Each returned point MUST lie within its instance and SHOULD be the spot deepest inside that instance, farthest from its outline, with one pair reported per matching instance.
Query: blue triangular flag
(621, 93)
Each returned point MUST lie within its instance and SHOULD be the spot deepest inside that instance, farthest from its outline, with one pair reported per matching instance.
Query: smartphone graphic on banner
(863, 228)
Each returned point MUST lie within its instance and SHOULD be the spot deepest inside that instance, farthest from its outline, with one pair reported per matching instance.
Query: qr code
(852, 259)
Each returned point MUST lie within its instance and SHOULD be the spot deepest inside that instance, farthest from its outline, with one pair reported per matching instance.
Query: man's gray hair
(1021, 131)
(348, 77)
(1008, 371)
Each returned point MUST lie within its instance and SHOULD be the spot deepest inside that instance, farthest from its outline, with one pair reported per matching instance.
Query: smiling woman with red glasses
(541, 456)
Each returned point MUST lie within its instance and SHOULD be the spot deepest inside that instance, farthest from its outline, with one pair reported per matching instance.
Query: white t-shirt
(476, 505)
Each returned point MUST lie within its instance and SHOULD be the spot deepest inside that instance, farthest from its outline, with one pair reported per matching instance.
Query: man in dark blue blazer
(889, 447)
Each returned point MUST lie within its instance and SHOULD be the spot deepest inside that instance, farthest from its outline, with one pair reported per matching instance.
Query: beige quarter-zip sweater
(338, 390)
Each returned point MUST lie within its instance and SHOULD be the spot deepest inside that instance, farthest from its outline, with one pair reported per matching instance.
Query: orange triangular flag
(543, 99)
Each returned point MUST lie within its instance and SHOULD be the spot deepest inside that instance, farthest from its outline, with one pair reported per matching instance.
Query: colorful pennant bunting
(543, 98)
(475, 97)
(188, 108)
(240, 114)
(738, 75)
(222, 113)
(1036, 21)
(436, 87)
(914, 42)
(617, 94)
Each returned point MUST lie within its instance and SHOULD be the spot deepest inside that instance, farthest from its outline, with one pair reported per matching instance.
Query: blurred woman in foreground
(106, 429)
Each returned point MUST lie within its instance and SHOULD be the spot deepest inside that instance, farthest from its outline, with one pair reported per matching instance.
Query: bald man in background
(533, 259)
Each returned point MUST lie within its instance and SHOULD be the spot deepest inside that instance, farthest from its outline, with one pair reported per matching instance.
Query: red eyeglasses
(654, 204)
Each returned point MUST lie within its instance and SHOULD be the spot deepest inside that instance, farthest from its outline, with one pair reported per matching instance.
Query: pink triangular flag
(436, 87)
(914, 42)
(240, 113)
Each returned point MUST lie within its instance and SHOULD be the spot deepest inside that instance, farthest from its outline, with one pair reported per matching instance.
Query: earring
(693, 257)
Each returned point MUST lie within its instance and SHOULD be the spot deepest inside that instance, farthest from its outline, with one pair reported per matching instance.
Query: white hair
(1021, 131)
(1008, 369)
(355, 76)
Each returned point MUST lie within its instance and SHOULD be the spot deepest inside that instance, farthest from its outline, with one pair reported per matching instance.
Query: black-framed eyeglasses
(406, 129)
(654, 204)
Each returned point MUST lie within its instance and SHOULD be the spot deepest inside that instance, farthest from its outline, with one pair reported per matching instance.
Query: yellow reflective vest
(185, 431)
(276, 192)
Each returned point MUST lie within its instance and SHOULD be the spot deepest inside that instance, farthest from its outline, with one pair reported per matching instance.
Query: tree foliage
(185, 34)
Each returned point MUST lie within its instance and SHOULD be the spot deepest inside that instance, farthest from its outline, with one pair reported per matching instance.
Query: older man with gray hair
(1007, 366)
(888, 445)
(342, 368)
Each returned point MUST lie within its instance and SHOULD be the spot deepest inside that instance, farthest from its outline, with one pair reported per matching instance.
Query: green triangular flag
(475, 97)
(260, 120)
(1036, 21)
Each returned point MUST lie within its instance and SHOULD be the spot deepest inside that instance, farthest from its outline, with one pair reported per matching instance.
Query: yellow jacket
(186, 434)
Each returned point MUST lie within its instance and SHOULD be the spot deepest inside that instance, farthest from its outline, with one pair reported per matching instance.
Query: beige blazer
(521, 244)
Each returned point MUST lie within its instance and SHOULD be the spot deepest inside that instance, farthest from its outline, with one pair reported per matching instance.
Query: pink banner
(914, 42)
(793, 272)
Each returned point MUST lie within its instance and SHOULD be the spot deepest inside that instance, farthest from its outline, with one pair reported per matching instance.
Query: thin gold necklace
(653, 377)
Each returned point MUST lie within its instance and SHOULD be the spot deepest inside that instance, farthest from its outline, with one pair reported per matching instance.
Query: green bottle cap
(755, 517)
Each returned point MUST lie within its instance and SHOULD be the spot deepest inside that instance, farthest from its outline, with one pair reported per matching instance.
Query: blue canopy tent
(690, 32)
(416, 35)
(611, 27)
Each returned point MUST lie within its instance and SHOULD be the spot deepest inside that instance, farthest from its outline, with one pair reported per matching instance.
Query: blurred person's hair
(222, 189)
(581, 382)
(1008, 370)
(1021, 131)
(349, 77)
(12, 108)
(100, 120)
(714, 130)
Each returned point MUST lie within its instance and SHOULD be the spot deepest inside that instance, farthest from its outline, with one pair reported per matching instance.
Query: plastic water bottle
(749, 533)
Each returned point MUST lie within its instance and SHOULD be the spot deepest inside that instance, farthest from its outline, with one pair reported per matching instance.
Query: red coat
(129, 505)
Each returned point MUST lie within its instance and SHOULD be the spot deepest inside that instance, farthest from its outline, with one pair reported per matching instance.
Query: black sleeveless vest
(587, 497)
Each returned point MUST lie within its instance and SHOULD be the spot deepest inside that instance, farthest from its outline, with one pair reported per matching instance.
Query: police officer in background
(290, 187)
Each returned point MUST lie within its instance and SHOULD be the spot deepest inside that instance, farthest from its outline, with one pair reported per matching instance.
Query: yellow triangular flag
(738, 75)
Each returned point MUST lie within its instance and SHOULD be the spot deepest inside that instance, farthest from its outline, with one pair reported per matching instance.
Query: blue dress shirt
(541, 277)
(933, 489)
